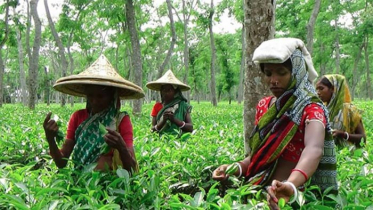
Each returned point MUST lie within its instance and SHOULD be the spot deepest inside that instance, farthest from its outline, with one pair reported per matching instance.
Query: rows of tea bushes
(174, 173)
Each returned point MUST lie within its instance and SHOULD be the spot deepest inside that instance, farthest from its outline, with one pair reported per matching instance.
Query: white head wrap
(280, 49)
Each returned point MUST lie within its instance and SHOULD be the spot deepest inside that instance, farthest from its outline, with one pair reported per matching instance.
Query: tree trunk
(242, 67)
(47, 85)
(22, 75)
(311, 25)
(322, 62)
(71, 66)
(355, 74)
(337, 54)
(34, 60)
(61, 48)
(366, 50)
(256, 33)
(173, 40)
(186, 47)
(213, 57)
(2, 43)
(136, 52)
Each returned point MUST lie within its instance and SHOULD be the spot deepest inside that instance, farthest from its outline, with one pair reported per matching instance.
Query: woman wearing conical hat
(172, 116)
(110, 147)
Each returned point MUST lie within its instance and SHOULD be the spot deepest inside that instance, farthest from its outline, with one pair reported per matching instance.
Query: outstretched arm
(306, 166)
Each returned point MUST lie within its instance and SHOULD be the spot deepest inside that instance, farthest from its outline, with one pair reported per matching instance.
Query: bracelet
(300, 171)
(348, 136)
(239, 166)
(182, 126)
(295, 195)
(155, 128)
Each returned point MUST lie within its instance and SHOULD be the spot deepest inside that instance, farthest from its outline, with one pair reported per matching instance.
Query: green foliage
(174, 173)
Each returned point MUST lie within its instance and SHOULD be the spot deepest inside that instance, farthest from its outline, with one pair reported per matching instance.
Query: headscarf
(279, 124)
(343, 115)
(180, 107)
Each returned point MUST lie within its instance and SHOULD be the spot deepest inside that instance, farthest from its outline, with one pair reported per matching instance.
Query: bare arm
(59, 156)
(188, 127)
(309, 160)
(127, 155)
(356, 137)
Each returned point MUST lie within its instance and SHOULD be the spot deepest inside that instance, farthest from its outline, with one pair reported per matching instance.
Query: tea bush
(174, 173)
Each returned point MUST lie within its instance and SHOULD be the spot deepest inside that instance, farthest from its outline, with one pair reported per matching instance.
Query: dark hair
(325, 81)
(287, 64)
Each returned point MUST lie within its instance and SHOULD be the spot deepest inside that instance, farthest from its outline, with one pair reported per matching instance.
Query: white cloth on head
(280, 49)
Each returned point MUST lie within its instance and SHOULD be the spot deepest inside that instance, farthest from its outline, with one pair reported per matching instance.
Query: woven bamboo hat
(167, 79)
(101, 72)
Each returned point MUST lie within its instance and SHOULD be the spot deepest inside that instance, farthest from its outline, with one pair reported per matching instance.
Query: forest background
(184, 36)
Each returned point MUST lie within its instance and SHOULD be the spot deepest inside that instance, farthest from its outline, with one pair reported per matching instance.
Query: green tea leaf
(102, 129)
(281, 203)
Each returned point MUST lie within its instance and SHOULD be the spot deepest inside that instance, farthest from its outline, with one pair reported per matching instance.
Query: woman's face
(99, 97)
(167, 93)
(277, 77)
(324, 92)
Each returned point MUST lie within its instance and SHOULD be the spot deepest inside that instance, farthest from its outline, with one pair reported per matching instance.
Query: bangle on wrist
(182, 126)
(240, 168)
(347, 136)
(300, 171)
(295, 195)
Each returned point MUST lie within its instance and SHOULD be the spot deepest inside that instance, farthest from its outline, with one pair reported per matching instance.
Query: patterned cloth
(343, 115)
(180, 107)
(277, 127)
(295, 147)
(88, 138)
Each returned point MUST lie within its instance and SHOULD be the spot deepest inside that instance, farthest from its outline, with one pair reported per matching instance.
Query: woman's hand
(168, 115)
(338, 133)
(278, 190)
(219, 173)
(114, 140)
(50, 127)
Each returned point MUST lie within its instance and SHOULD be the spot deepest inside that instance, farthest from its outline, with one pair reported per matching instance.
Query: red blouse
(156, 108)
(125, 126)
(295, 147)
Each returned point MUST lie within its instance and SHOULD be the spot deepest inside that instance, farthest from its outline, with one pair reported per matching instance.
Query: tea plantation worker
(291, 141)
(103, 87)
(345, 118)
(172, 115)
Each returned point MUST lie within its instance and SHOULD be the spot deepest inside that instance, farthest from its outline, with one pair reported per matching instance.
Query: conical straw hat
(101, 72)
(167, 79)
